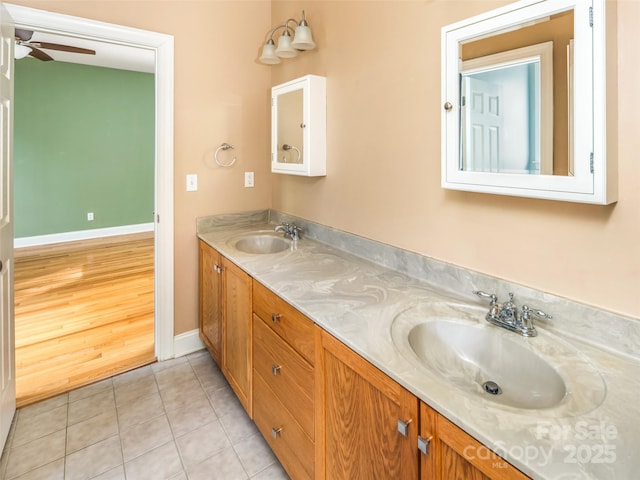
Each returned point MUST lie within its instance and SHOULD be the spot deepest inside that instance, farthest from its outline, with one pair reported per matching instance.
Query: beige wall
(382, 62)
(221, 95)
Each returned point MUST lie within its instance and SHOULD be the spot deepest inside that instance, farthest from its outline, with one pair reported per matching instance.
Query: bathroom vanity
(315, 400)
(331, 377)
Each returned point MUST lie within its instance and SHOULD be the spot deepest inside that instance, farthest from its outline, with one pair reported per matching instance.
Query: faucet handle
(295, 231)
(490, 296)
(526, 312)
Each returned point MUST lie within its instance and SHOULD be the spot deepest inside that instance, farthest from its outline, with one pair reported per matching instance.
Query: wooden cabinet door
(454, 454)
(236, 350)
(362, 409)
(210, 283)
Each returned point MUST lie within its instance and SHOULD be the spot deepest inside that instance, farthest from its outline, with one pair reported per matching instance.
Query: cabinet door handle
(403, 427)
(276, 431)
(217, 268)
(275, 317)
(423, 444)
(275, 369)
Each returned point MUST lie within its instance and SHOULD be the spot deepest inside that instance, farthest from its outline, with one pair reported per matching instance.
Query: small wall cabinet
(524, 101)
(299, 127)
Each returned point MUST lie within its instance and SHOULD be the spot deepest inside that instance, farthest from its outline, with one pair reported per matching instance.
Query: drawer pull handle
(275, 369)
(423, 444)
(275, 317)
(276, 431)
(403, 427)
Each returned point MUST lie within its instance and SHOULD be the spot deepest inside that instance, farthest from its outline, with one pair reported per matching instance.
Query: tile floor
(173, 420)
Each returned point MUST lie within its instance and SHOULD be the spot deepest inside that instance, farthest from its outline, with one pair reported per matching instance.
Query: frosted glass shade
(269, 56)
(303, 40)
(285, 50)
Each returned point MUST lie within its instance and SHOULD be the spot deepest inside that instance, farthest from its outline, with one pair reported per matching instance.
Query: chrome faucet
(506, 315)
(292, 231)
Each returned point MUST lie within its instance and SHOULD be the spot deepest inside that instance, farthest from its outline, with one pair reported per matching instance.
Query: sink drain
(492, 388)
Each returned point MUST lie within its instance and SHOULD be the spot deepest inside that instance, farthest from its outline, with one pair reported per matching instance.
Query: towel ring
(287, 147)
(224, 146)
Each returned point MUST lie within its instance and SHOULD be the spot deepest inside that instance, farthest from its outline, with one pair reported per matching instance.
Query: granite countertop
(593, 433)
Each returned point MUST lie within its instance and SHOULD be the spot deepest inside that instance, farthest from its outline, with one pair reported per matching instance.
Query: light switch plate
(192, 182)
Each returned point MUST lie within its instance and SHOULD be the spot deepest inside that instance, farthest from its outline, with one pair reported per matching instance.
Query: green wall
(83, 142)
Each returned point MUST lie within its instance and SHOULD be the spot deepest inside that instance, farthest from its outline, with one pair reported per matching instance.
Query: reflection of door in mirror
(545, 152)
(507, 111)
(290, 127)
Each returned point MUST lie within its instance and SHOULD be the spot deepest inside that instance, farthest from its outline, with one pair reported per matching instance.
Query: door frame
(162, 45)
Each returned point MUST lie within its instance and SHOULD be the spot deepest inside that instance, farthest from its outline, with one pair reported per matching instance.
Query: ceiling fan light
(21, 51)
(269, 56)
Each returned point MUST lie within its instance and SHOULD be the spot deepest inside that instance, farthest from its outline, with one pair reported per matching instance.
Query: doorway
(162, 46)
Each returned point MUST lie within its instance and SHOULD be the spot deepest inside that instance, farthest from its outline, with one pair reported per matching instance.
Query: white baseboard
(81, 235)
(186, 343)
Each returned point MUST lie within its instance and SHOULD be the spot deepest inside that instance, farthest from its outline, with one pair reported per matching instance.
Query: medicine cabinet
(299, 127)
(524, 102)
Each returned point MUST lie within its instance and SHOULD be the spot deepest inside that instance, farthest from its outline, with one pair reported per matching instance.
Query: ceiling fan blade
(24, 35)
(65, 48)
(39, 54)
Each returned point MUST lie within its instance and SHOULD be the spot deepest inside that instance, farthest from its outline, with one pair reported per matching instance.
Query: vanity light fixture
(287, 48)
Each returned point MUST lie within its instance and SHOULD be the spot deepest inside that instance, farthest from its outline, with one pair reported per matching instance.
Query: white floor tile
(37, 453)
(92, 430)
(94, 460)
(143, 437)
(202, 443)
(157, 422)
(32, 427)
(159, 464)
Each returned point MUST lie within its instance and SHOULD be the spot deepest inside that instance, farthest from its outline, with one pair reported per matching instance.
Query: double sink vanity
(360, 360)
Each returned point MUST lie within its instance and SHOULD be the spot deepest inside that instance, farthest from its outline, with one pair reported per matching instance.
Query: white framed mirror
(524, 102)
(298, 127)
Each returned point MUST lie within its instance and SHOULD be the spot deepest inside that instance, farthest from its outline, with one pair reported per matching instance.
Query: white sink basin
(537, 374)
(261, 243)
(466, 353)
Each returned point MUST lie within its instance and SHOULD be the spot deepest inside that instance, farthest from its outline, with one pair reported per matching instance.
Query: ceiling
(108, 55)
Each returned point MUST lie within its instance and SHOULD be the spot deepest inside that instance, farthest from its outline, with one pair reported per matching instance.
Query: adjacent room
(83, 209)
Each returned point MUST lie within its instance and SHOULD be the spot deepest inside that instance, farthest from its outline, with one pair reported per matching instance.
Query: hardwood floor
(83, 312)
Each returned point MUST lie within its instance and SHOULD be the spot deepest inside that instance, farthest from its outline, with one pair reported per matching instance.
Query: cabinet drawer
(292, 446)
(286, 373)
(285, 320)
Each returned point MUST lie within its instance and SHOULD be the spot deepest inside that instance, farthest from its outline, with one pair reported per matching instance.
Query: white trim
(81, 235)
(186, 343)
(162, 46)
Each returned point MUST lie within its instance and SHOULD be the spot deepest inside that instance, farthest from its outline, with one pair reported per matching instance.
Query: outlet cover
(248, 179)
(90, 216)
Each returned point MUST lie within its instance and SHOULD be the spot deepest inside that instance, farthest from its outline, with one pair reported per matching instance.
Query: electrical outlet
(90, 216)
(192, 182)
(248, 179)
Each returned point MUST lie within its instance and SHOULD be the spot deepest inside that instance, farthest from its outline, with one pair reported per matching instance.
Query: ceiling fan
(23, 42)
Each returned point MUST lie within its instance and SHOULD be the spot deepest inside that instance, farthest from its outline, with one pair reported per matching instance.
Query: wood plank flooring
(83, 311)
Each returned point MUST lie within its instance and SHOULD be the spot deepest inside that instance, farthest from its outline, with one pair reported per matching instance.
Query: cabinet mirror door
(298, 127)
(524, 102)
